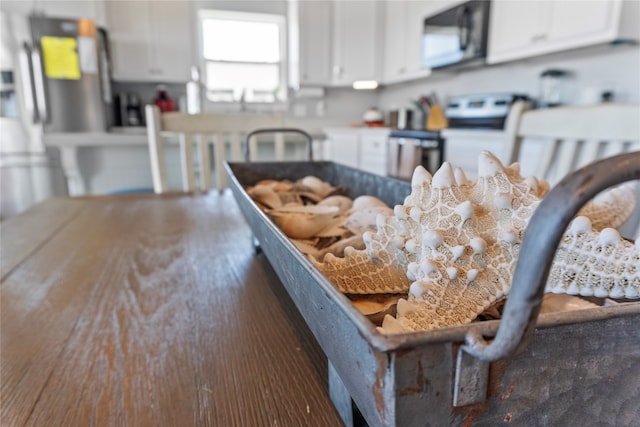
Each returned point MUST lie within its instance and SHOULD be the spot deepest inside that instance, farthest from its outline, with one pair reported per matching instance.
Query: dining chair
(571, 137)
(207, 130)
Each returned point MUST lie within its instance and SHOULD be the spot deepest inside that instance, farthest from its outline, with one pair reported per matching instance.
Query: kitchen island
(150, 310)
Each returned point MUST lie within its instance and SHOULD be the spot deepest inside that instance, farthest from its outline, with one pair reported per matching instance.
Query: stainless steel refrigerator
(69, 74)
(55, 79)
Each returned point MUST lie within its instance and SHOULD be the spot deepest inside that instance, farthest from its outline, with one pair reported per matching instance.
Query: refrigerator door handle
(38, 77)
(26, 77)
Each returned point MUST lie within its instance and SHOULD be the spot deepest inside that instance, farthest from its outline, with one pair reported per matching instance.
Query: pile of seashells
(446, 256)
(317, 217)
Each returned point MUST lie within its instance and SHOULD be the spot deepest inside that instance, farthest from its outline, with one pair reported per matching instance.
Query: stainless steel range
(480, 111)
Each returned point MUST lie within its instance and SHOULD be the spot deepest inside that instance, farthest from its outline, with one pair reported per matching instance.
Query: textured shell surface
(265, 194)
(302, 221)
(453, 244)
(317, 185)
(342, 202)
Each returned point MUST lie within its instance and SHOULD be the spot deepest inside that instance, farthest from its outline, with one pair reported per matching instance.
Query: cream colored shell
(453, 245)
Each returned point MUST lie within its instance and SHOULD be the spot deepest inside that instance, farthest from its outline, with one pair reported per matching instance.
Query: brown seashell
(364, 202)
(342, 202)
(375, 307)
(302, 222)
(334, 228)
(317, 185)
(365, 219)
(275, 184)
(265, 195)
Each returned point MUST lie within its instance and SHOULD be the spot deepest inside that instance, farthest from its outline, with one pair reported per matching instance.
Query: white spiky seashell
(453, 245)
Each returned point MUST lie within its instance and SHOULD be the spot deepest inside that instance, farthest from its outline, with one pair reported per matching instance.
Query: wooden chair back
(573, 137)
(207, 130)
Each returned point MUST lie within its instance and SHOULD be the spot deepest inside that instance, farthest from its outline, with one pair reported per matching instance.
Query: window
(244, 56)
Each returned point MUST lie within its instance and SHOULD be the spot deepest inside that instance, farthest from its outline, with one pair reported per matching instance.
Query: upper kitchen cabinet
(89, 9)
(151, 41)
(524, 29)
(310, 42)
(403, 26)
(357, 36)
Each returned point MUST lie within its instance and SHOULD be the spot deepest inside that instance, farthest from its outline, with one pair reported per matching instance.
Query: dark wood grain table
(150, 311)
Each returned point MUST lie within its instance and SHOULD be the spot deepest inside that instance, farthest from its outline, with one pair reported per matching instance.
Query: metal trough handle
(544, 232)
(245, 144)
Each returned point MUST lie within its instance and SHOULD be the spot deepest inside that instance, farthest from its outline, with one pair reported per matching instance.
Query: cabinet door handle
(402, 70)
(337, 70)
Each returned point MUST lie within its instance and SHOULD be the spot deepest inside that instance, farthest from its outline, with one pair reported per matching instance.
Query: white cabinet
(524, 29)
(462, 147)
(403, 27)
(357, 34)
(395, 37)
(151, 41)
(373, 150)
(362, 148)
(343, 146)
(310, 42)
(334, 42)
(89, 9)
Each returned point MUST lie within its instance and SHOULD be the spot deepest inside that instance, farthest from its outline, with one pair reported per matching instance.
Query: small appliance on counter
(407, 149)
(164, 102)
(487, 111)
(373, 117)
(401, 119)
(128, 109)
(551, 88)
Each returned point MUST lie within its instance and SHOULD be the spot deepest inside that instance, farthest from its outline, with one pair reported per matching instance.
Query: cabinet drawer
(377, 147)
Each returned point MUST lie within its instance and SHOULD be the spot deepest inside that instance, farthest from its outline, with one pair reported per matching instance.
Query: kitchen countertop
(122, 137)
(117, 137)
(150, 310)
(473, 133)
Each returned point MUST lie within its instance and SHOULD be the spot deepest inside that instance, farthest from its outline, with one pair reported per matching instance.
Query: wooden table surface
(150, 311)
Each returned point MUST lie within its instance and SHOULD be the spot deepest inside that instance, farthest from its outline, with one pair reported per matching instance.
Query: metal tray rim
(392, 342)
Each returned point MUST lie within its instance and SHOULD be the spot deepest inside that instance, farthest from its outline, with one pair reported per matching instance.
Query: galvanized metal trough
(566, 368)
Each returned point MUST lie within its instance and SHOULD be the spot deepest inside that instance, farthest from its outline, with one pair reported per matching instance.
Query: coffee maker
(128, 110)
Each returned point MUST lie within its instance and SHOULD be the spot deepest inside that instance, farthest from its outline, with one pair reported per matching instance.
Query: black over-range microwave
(456, 36)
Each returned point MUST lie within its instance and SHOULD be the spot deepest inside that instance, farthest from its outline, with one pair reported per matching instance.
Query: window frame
(280, 20)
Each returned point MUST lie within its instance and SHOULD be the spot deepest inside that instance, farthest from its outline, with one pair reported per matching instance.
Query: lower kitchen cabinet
(463, 147)
(342, 146)
(373, 150)
(362, 148)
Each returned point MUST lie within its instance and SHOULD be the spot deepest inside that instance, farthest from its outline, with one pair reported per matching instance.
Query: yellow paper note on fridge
(60, 55)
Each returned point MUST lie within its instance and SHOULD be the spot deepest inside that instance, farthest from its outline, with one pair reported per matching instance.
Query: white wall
(593, 69)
